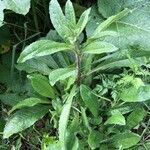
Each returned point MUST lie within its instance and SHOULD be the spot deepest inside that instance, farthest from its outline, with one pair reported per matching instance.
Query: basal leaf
(64, 117)
(126, 140)
(41, 85)
(116, 118)
(61, 74)
(29, 102)
(23, 119)
(89, 99)
(99, 48)
(58, 20)
(42, 48)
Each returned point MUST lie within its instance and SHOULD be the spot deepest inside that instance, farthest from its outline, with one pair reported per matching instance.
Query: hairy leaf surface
(23, 119)
(42, 48)
(41, 85)
(61, 74)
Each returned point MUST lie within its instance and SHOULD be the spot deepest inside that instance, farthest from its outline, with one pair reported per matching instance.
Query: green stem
(78, 65)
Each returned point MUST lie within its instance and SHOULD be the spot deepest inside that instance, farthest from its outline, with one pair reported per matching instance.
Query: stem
(78, 65)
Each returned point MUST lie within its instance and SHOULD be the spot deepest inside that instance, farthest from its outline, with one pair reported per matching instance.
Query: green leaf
(135, 117)
(90, 99)
(42, 48)
(85, 118)
(64, 117)
(70, 14)
(29, 102)
(94, 139)
(113, 7)
(71, 141)
(105, 24)
(41, 85)
(11, 99)
(94, 21)
(134, 33)
(108, 8)
(126, 140)
(82, 21)
(99, 48)
(119, 59)
(116, 118)
(104, 34)
(20, 7)
(58, 20)
(34, 65)
(61, 74)
(133, 94)
(23, 119)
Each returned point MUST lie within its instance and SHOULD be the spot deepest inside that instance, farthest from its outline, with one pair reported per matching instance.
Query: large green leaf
(42, 48)
(133, 39)
(20, 7)
(29, 102)
(99, 48)
(61, 74)
(23, 119)
(64, 117)
(133, 29)
(135, 117)
(58, 20)
(41, 85)
(91, 101)
(126, 140)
